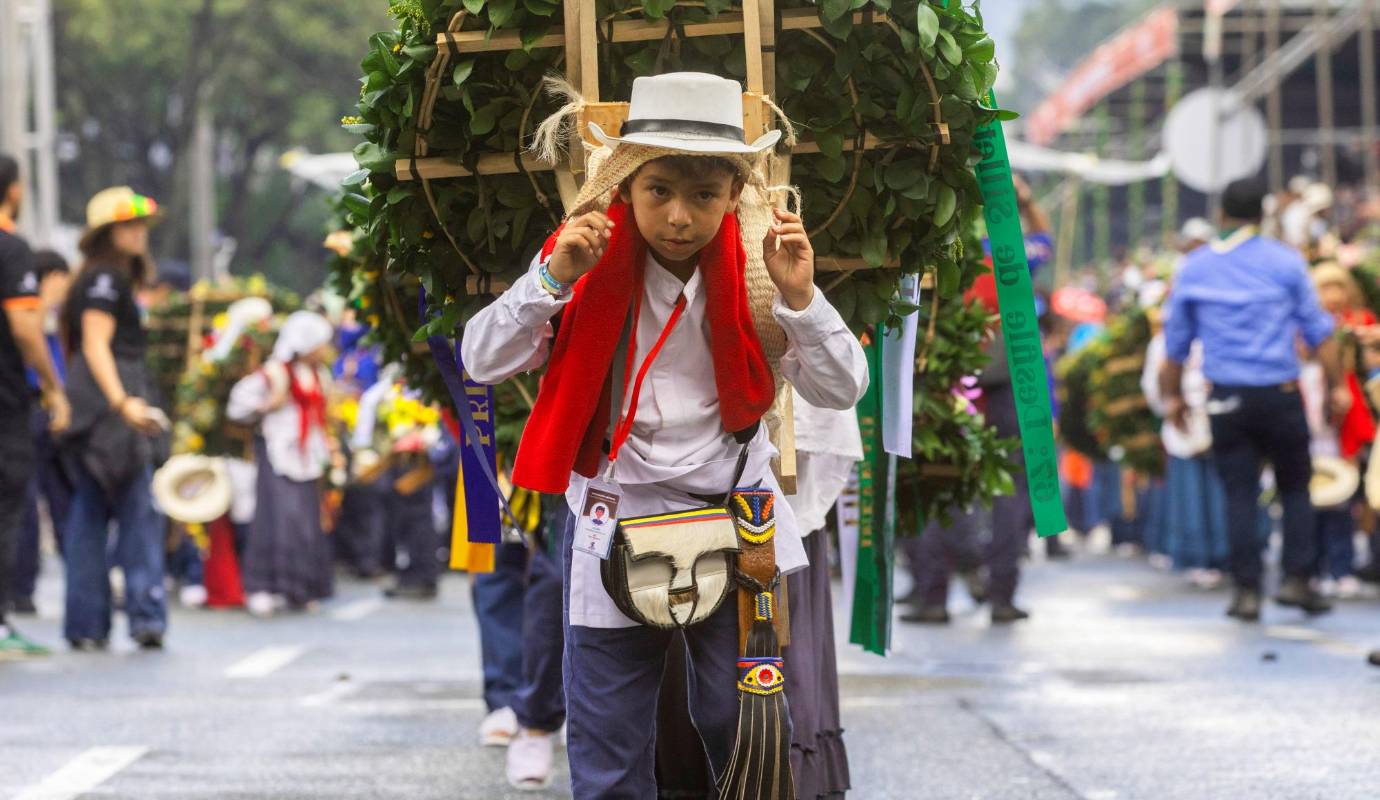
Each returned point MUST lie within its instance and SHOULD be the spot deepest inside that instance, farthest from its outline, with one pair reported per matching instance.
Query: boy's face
(678, 214)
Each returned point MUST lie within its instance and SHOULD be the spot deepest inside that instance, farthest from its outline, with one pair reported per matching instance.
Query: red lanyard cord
(624, 429)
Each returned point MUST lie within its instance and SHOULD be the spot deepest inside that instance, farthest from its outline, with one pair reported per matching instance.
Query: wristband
(550, 284)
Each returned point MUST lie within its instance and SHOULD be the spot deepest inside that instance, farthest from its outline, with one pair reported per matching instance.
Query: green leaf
(830, 144)
(420, 52)
(462, 71)
(356, 204)
(831, 10)
(944, 206)
(949, 49)
(949, 277)
(398, 194)
(474, 6)
(355, 179)
(902, 175)
(874, 247)
(926, 24)
(501, 12)
(374, 157)
(982, 51)
(484, 119)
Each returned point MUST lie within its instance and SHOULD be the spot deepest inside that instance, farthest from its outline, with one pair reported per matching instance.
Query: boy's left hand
(790, 259)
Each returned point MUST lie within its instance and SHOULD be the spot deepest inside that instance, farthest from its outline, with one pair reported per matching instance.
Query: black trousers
(1250, 425)
(16, 465)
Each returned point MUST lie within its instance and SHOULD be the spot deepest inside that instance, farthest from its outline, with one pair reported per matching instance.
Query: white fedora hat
(693, 112)
(192, 489)
(1334, 482)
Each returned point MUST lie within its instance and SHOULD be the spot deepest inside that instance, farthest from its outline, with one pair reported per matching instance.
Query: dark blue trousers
(612, 678)
(47, 482)
(539, 702)
(498, 604)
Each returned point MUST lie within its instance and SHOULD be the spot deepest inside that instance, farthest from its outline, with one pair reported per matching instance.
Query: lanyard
(624, 428)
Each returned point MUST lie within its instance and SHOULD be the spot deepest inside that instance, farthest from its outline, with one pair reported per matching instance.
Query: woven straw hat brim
(608, 168)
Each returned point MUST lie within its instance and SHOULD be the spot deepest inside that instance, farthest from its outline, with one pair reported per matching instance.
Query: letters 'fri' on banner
(1024, 353)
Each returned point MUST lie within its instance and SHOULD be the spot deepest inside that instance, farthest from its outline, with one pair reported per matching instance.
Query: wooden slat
(752, 44)
(632, 30)
(502, 163)
(589, 50)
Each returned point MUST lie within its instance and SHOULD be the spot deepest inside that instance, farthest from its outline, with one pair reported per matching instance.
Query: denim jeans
(139, 532)
(1336, 543)
(1253, 424)
(540, 702)
(49, 483)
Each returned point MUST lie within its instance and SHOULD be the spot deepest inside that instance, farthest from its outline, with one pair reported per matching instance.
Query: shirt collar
(1241, 236)
(662, 284)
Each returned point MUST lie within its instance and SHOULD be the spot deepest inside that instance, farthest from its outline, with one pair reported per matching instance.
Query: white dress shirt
(678, 446)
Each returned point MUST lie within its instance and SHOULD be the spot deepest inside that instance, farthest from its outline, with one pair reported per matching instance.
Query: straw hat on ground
(193, 489)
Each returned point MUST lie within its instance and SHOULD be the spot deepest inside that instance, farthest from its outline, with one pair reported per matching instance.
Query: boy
(664, 274)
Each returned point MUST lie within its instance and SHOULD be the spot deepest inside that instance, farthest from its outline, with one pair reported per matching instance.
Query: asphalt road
(1125, 684)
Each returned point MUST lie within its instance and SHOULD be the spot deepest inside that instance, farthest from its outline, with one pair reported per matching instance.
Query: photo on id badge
(598, 518)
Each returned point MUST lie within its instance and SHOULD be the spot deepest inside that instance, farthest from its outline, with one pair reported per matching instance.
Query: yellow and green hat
(117, 204)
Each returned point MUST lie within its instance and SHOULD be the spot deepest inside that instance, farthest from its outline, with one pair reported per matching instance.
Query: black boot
(1297, 593)
(928, 614)
(1245, 605)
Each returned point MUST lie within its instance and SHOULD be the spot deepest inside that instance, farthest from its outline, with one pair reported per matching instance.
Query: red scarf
(570, 420)
(311, 406)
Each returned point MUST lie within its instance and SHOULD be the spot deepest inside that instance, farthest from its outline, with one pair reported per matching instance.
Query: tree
(275, 75)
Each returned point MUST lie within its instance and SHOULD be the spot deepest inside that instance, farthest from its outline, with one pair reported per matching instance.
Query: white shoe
(498, 728)
(531, 760)
(1349, 587)
(192, 596)
(1327, 587)
(260, 604)
(1158, 561)
(1206, 579)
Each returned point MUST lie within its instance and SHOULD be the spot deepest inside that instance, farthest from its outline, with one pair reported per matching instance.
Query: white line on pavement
(83, 773)
(357, 610)
(264, 662)
(338, 691)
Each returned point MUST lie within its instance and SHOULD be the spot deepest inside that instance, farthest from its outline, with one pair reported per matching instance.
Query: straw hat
(114, 205)
(1334, 482)
(192, 489)
(694, 114)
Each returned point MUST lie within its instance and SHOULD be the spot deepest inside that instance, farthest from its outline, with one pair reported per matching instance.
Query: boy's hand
(790, 259)
(580, 246)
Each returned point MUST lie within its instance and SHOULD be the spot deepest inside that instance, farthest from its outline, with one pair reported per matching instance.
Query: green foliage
(959, 459)
(1118, 414)
(885, 206)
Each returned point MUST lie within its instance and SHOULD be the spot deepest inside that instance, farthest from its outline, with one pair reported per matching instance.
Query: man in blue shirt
(1249, 300)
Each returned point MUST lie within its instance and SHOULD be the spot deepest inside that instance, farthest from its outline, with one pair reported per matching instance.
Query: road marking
(264, 662)
(338, 691)
(357, 610)
(83, 773)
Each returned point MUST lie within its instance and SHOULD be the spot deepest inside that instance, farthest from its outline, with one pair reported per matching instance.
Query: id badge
(598, 518)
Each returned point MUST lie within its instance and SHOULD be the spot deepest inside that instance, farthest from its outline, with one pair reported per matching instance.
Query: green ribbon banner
(870, 625)
(1024, 353)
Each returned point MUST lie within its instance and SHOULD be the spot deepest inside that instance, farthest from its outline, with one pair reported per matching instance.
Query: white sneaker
(1327, 587)
(1349, 587)
(1206, 579)
(260, 604)
(531, 760)
(192, 596)
(498, 728)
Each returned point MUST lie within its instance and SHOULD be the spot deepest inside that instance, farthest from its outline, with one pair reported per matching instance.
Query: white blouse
(281, 426)
(678, 446)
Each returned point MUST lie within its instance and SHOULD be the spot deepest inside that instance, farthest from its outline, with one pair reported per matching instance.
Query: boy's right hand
(580, 246)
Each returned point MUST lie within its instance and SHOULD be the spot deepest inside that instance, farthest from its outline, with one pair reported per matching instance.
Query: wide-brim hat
(690, 112)
(115, 205)
(193, 489)
(1334, 482)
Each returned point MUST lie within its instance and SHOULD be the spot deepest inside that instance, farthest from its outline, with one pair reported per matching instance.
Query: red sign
(1115, 63)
